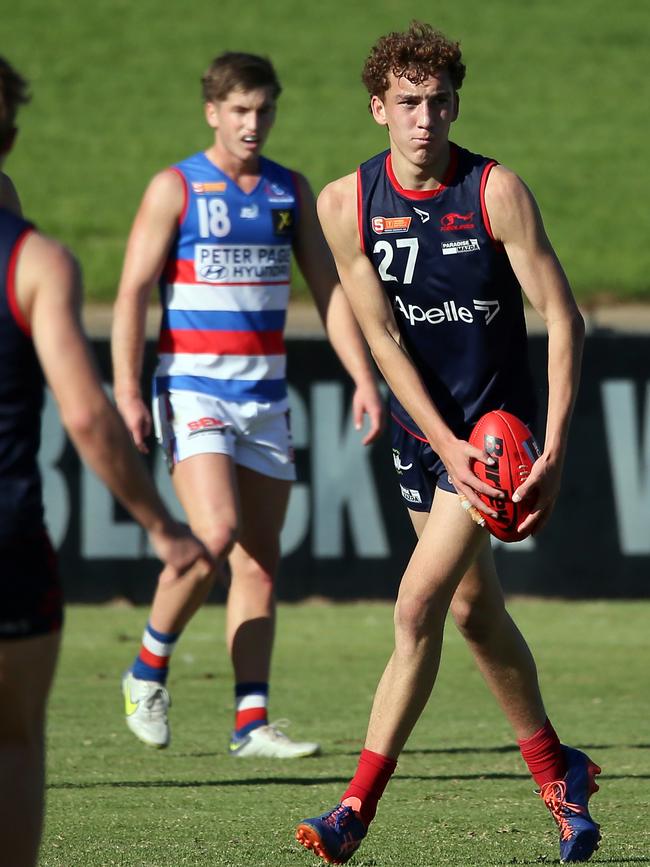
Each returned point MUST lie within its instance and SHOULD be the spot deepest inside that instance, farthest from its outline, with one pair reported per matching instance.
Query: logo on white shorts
(410, 495)
(207, 424)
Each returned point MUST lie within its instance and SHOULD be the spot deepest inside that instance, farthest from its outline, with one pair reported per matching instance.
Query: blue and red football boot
(334, 835)
(567, 801)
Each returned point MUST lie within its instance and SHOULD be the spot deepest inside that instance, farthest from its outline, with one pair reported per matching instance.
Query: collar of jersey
(424, 194)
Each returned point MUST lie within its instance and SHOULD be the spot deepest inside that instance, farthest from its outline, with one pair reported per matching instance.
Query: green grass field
(557, 91)
(460, 796)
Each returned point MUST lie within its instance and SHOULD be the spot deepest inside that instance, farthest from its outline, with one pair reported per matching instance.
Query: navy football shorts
(419, 469)
(31, 597)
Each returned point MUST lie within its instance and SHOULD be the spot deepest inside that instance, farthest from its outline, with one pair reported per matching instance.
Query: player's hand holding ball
(514, 451)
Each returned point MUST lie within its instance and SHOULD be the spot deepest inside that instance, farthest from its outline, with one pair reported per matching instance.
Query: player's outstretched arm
(48, 290)
(337, 209)
(317, 266)
(149, 241)
(517, 223)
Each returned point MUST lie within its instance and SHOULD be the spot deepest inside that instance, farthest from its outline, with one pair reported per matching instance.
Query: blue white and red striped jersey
(457, 302)
(21, 397)
(225, 287)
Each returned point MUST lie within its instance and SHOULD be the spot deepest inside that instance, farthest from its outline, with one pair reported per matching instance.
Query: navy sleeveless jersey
(21, 398)
(456, 300)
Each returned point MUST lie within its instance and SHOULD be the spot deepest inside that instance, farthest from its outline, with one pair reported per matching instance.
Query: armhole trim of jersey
(296, 193)
(186, 193)
(360, 210)
(486, 218)
(12, 298)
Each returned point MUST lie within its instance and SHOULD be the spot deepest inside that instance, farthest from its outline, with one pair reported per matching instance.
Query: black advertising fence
(347, 534)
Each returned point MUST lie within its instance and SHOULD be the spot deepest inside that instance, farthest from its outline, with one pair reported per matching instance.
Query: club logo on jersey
(249, 212)
(209, 186)
(423, 215)
(390, 225)
(282, 220)
(410, 495)
(451, 248)
(448, 312)
(454, 222)
(277, 194)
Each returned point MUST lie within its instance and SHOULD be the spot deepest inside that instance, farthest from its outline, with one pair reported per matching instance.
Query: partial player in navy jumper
(433, 245)
(41, 340)
(217, 231)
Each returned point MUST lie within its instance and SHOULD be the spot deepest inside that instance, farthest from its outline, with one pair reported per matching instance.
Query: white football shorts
(255, 435)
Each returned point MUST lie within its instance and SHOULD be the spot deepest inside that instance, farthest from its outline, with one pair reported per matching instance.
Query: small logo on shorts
(410, 495)
(206, 424)
(399, 466)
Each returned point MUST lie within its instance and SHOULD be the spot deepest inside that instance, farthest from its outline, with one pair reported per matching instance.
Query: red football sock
(543, 754)
(368, 784)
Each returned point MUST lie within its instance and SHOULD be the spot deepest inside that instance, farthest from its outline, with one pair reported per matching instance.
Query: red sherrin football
(509, 441)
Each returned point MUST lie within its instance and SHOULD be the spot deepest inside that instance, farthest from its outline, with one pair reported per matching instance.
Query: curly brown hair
(13, 94)
(235, 70)
(417, 54)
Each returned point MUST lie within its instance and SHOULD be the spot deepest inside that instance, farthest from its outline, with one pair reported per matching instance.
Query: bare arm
(151, 235)
(49, 292)
(516, 221)
(317, 266)
(337, 212)
(8, 195)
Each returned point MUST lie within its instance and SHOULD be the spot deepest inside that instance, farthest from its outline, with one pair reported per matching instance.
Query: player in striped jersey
(41, 339)
(434, 245)
(217, 232)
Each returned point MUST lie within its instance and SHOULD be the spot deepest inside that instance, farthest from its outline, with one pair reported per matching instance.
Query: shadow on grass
(617, 861)
(444, 751)
(632, 860)
(297, 781)
(508, 748)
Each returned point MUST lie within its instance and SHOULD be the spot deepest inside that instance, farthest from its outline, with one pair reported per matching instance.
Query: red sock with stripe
(543, 754)
(152, 663)
(368, 784)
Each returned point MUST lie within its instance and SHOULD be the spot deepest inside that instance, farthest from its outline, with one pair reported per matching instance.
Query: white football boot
(268, 742)
(145, 705)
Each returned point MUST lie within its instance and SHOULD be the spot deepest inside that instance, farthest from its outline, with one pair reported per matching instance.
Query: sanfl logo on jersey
(390, 225)
(249, 212)
(423, 215)
(209, 186)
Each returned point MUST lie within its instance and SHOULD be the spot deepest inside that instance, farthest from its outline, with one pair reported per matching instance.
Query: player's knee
(257, 575)
(475, 621)
(416, 615)
(219, 538)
